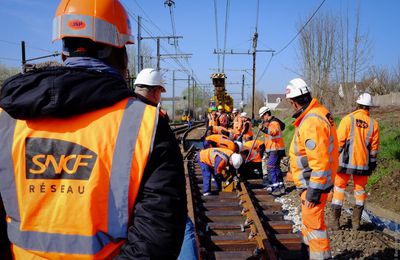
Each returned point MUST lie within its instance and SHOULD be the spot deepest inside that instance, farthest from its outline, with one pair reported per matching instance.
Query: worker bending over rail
(313, 163)
(358, 136)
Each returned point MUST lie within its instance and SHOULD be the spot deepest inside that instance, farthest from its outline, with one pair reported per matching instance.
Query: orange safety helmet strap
(102, 21)
(118, 195)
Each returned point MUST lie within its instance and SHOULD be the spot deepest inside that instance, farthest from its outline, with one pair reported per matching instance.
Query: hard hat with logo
(235, 110)
(150, 77)
(102, 21)
(296, 87)
(263, 110)
(239, 144)
(220, 107)
(365, 99)
(243, 114)
(236, 160)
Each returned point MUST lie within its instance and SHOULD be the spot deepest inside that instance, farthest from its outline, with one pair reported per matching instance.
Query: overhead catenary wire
(216, 32)
(226, 32)
(27, 46)
(291, 41)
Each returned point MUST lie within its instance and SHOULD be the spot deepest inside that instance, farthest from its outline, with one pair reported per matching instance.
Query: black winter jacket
(159, 217)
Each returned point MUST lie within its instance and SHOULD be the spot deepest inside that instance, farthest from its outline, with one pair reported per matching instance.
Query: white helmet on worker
(239, 144)
(365, 99)
(243, 114)
(235, 110)
(296, 87)
(236, 160)
(263, 110)
(150, 77)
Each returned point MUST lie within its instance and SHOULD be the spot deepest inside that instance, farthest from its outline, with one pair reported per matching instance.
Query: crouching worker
(214, 162)
(222, 141)
(252, 166)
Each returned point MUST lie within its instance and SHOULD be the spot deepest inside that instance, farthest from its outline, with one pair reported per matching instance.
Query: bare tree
(147, 59)
(6, 72)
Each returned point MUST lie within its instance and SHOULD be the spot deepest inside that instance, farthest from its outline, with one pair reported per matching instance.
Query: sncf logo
(57, 159)
(361, 123)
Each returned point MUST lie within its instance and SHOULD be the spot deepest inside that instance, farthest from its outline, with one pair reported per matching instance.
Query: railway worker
(272, 127)
(87, 170)
(222, 117)
(253, 151)
(358, 136)
(149, 84)
(313, 163)
(247, 128)
(237, 123)
(216, 162)
(222, 141)
(212, 117)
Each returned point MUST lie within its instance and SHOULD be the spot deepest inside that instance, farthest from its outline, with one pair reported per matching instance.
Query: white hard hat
(365, 99)
(236, 160)
(150, 77)
(296, 87)
(263, 110)
(235, 110)
(239, 144)
(243, 114)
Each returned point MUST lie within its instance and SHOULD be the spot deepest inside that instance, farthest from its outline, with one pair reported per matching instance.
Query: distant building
(273, 100)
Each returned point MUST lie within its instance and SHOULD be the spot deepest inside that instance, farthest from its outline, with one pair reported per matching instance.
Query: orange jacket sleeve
(375, 140)
(343, 131)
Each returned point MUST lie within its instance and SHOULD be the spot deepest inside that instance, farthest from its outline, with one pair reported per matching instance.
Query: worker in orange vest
(215, 162)
(88, 171)
(272, 127)
(222, 141)
(237, 123)
(313, 163)
(212, 117)
(222, 117)
(253, 151)
(358, 136)
(247, 128)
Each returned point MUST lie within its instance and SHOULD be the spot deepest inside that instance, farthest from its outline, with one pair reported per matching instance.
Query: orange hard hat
(102, 21)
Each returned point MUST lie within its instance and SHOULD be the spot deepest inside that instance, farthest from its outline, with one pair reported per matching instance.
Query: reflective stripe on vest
(137, 119)
(351, 147)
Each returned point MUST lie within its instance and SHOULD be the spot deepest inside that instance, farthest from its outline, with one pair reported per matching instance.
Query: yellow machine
(220, 96)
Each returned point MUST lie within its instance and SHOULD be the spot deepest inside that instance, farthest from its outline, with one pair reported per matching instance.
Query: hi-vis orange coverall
(358, 136)
(220, 141)
(313, 163)
(69, 185)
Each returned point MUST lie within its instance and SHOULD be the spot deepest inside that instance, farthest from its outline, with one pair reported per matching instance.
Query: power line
(216, 30)
(290, 42)
(302, 28)
(28, 46)
(11, 59)
(226, 32)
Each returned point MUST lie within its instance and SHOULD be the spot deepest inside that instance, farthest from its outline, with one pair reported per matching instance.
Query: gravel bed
(368, 243)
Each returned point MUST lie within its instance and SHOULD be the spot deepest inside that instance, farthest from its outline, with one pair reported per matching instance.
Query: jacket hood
(60, 92)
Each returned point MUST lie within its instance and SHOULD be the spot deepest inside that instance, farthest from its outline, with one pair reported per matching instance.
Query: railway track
(244, 224)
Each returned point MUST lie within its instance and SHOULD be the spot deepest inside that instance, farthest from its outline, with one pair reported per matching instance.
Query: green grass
(389, 151)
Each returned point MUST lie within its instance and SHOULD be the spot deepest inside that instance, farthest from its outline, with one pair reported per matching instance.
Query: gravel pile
(346, 243)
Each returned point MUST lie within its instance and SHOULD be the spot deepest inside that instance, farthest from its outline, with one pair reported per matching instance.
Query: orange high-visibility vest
(237, 125)
(249, 134)
(314, 149)
(223, 120)
(69, 185)
(208, 156)
(221, 141)
(255, 155)
(274, 138)
(358, 136)
(212, 120)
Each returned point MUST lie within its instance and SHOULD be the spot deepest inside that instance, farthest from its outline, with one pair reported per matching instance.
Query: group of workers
(91, 170)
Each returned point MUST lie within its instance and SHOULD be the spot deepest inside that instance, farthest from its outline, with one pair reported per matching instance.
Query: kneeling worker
(214, 162)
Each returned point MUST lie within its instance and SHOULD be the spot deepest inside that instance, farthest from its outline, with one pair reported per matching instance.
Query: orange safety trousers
(314, 230)
(341, 181)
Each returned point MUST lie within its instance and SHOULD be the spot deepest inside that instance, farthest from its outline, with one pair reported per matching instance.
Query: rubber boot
(356, 218)
(335, 221)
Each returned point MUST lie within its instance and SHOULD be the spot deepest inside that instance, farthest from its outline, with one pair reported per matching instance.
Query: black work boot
(335, 218)
(356, 218)
(305, 251)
